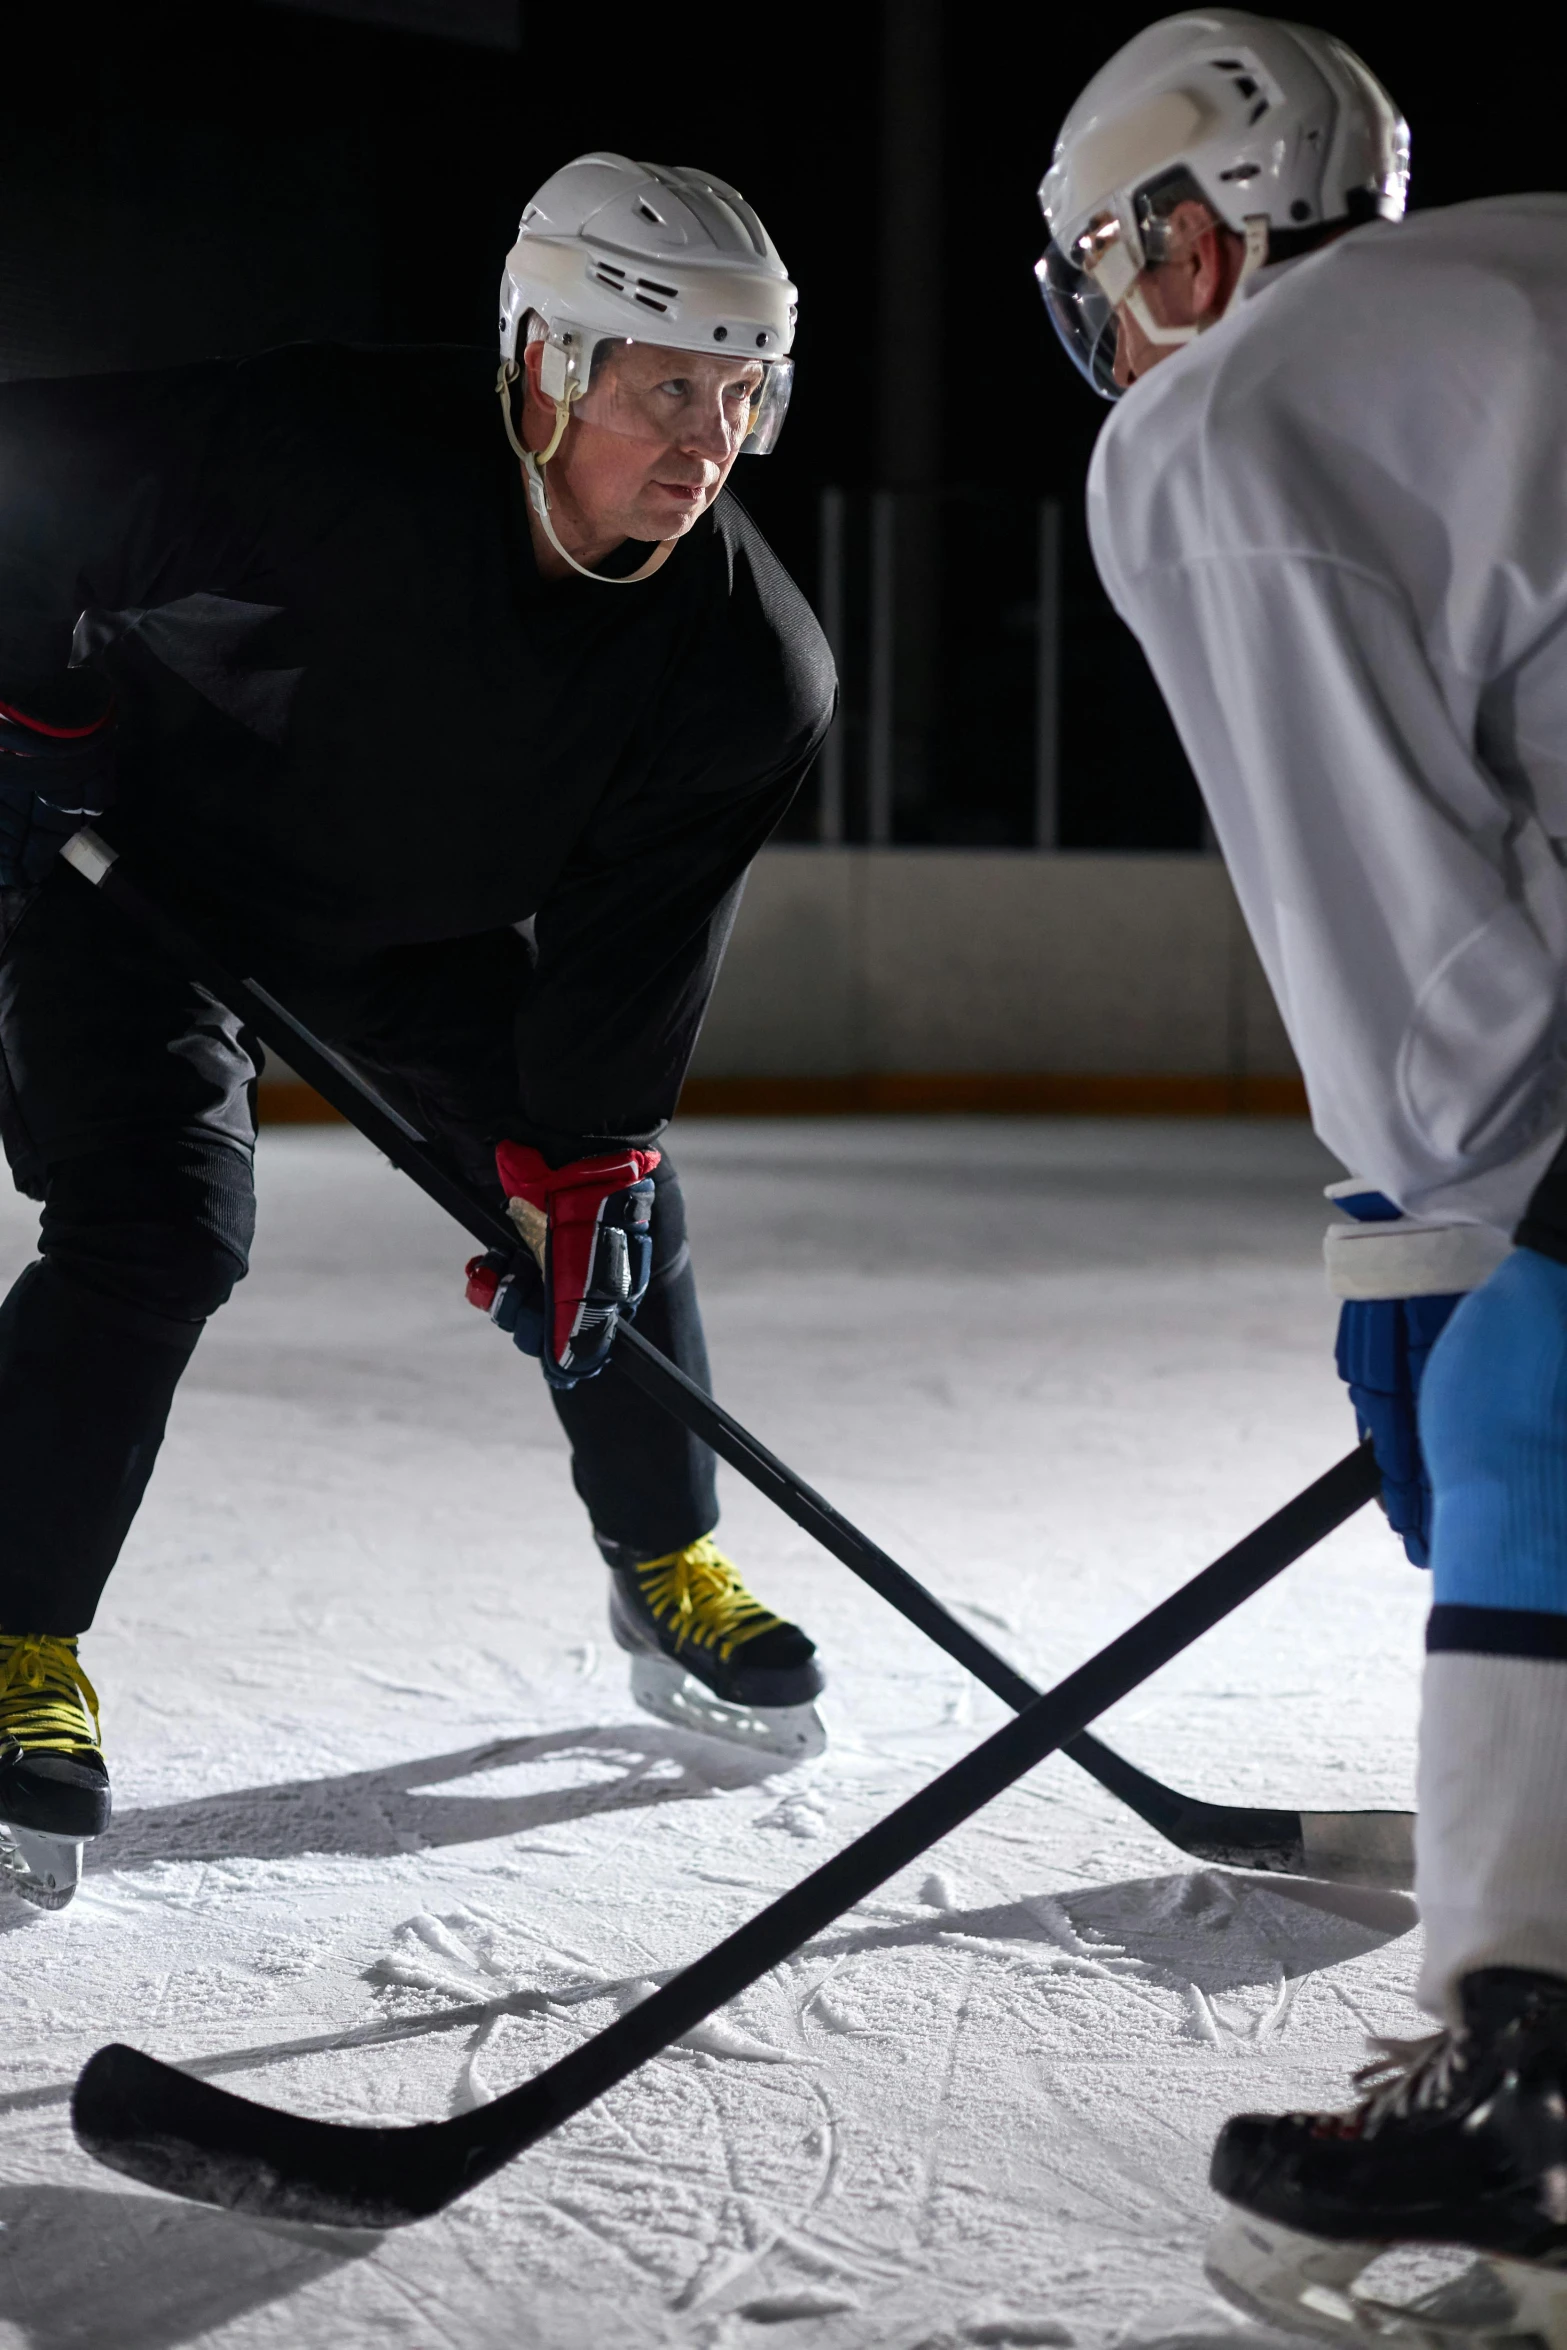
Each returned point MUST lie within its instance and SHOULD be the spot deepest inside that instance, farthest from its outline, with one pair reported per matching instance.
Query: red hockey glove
(56, 767)
(587, 1223)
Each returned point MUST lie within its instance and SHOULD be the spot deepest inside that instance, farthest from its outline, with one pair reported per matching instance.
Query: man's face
(650, 443)
(1191, 288)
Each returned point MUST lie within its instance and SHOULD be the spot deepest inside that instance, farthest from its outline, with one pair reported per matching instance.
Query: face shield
(1087, 283)
(714, 404)
(1082, 286)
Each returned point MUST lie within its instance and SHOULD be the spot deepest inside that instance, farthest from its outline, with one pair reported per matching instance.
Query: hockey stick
(192, 2139)
(1363, 1847)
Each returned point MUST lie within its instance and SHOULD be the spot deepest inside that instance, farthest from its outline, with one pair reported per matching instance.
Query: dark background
(178, 180)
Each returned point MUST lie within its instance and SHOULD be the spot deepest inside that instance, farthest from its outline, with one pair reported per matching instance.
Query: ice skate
(54, 1783)
(708, 1657)
(1459, 2140)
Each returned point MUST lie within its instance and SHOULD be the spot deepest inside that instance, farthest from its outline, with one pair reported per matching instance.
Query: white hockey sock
(1491, 1837)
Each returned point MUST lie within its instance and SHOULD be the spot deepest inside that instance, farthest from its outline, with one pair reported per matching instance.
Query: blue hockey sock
(1493, 1427)
(1491, 1839)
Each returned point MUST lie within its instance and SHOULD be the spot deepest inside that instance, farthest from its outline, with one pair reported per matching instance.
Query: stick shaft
(634, 1357)
(666, 1384)
(499, 2131)
(332, 1077)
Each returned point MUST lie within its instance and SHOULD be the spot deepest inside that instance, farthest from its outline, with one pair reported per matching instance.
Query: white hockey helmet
(611, 251)
(1280, 129)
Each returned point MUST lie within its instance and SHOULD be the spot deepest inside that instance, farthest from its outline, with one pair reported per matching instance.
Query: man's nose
(708, 433)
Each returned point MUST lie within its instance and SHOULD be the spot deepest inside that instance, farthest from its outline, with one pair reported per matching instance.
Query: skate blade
(1306, 2284)
(44, 1870)
(670, 1694)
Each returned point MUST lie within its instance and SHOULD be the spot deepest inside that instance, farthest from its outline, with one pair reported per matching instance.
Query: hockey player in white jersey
(1332, 504)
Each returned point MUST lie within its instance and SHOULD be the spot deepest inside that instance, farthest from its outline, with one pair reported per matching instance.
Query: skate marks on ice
(1217, 1936)
(1209, 1936)
(505, 1787)
(720, 2155)
(832, 2160)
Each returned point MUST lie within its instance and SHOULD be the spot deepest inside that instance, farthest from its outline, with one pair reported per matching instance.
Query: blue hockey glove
(511, 1291)
(56, 769)
(1399, 1279)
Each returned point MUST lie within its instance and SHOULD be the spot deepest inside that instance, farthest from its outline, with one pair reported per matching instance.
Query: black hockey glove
(56, 769)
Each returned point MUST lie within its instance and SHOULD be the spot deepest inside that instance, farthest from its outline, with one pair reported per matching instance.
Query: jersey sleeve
(1411, 915)
(628, 944)
(99, 504)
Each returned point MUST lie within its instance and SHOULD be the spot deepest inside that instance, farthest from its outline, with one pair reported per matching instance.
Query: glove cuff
(526, 1174)
(1404, 1258)
(65, 711)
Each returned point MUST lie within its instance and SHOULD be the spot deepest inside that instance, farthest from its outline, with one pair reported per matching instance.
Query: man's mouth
(687, 491)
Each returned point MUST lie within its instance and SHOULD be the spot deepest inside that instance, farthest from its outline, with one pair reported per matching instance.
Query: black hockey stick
(1355, 1847)
(191, 2138)
(1364, 1847)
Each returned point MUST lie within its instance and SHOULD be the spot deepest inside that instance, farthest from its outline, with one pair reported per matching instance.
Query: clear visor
(712, 405)
(1081, 285)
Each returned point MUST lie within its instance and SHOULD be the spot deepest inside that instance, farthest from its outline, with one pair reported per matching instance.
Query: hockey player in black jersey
(458, 722)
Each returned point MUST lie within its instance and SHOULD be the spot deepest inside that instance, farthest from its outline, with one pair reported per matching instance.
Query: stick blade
(1368, 1848)
(192, 2139)
(1360, 1847)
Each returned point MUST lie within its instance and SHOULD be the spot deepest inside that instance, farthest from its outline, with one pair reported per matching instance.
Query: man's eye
(678, 387)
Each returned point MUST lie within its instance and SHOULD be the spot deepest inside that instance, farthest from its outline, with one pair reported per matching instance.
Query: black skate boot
(1458, 2140)
(54, 1782)
(707, 1656)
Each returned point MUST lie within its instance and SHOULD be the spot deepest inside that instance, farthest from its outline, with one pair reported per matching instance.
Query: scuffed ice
(391, 1838)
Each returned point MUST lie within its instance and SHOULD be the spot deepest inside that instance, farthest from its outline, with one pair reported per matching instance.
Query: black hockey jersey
(355, 720)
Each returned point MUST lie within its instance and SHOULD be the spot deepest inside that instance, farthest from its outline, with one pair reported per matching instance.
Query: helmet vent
(1246, 84)
(645, 290)
(1241, 172)
(647, 212)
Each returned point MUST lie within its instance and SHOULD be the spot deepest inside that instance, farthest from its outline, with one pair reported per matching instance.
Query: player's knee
(1493, 1427)
(164, 1226)
(671, 1249)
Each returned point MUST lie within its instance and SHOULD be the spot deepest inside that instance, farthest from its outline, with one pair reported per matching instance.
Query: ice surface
(390, 1836)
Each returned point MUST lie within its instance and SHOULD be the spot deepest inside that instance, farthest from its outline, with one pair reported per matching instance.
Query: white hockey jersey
(1338, 524)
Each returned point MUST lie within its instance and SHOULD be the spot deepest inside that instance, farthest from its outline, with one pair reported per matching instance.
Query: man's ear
(1208, 274)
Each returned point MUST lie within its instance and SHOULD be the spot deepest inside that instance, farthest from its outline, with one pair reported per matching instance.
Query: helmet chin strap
(533, 464)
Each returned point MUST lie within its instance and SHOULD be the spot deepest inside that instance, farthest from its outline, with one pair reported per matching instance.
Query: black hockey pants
(127, 1106)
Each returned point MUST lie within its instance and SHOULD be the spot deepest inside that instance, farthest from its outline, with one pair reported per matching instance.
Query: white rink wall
(869, 960)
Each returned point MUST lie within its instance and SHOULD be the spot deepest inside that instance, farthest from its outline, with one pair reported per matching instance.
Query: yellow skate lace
(47, 1703)
(697, 1594)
